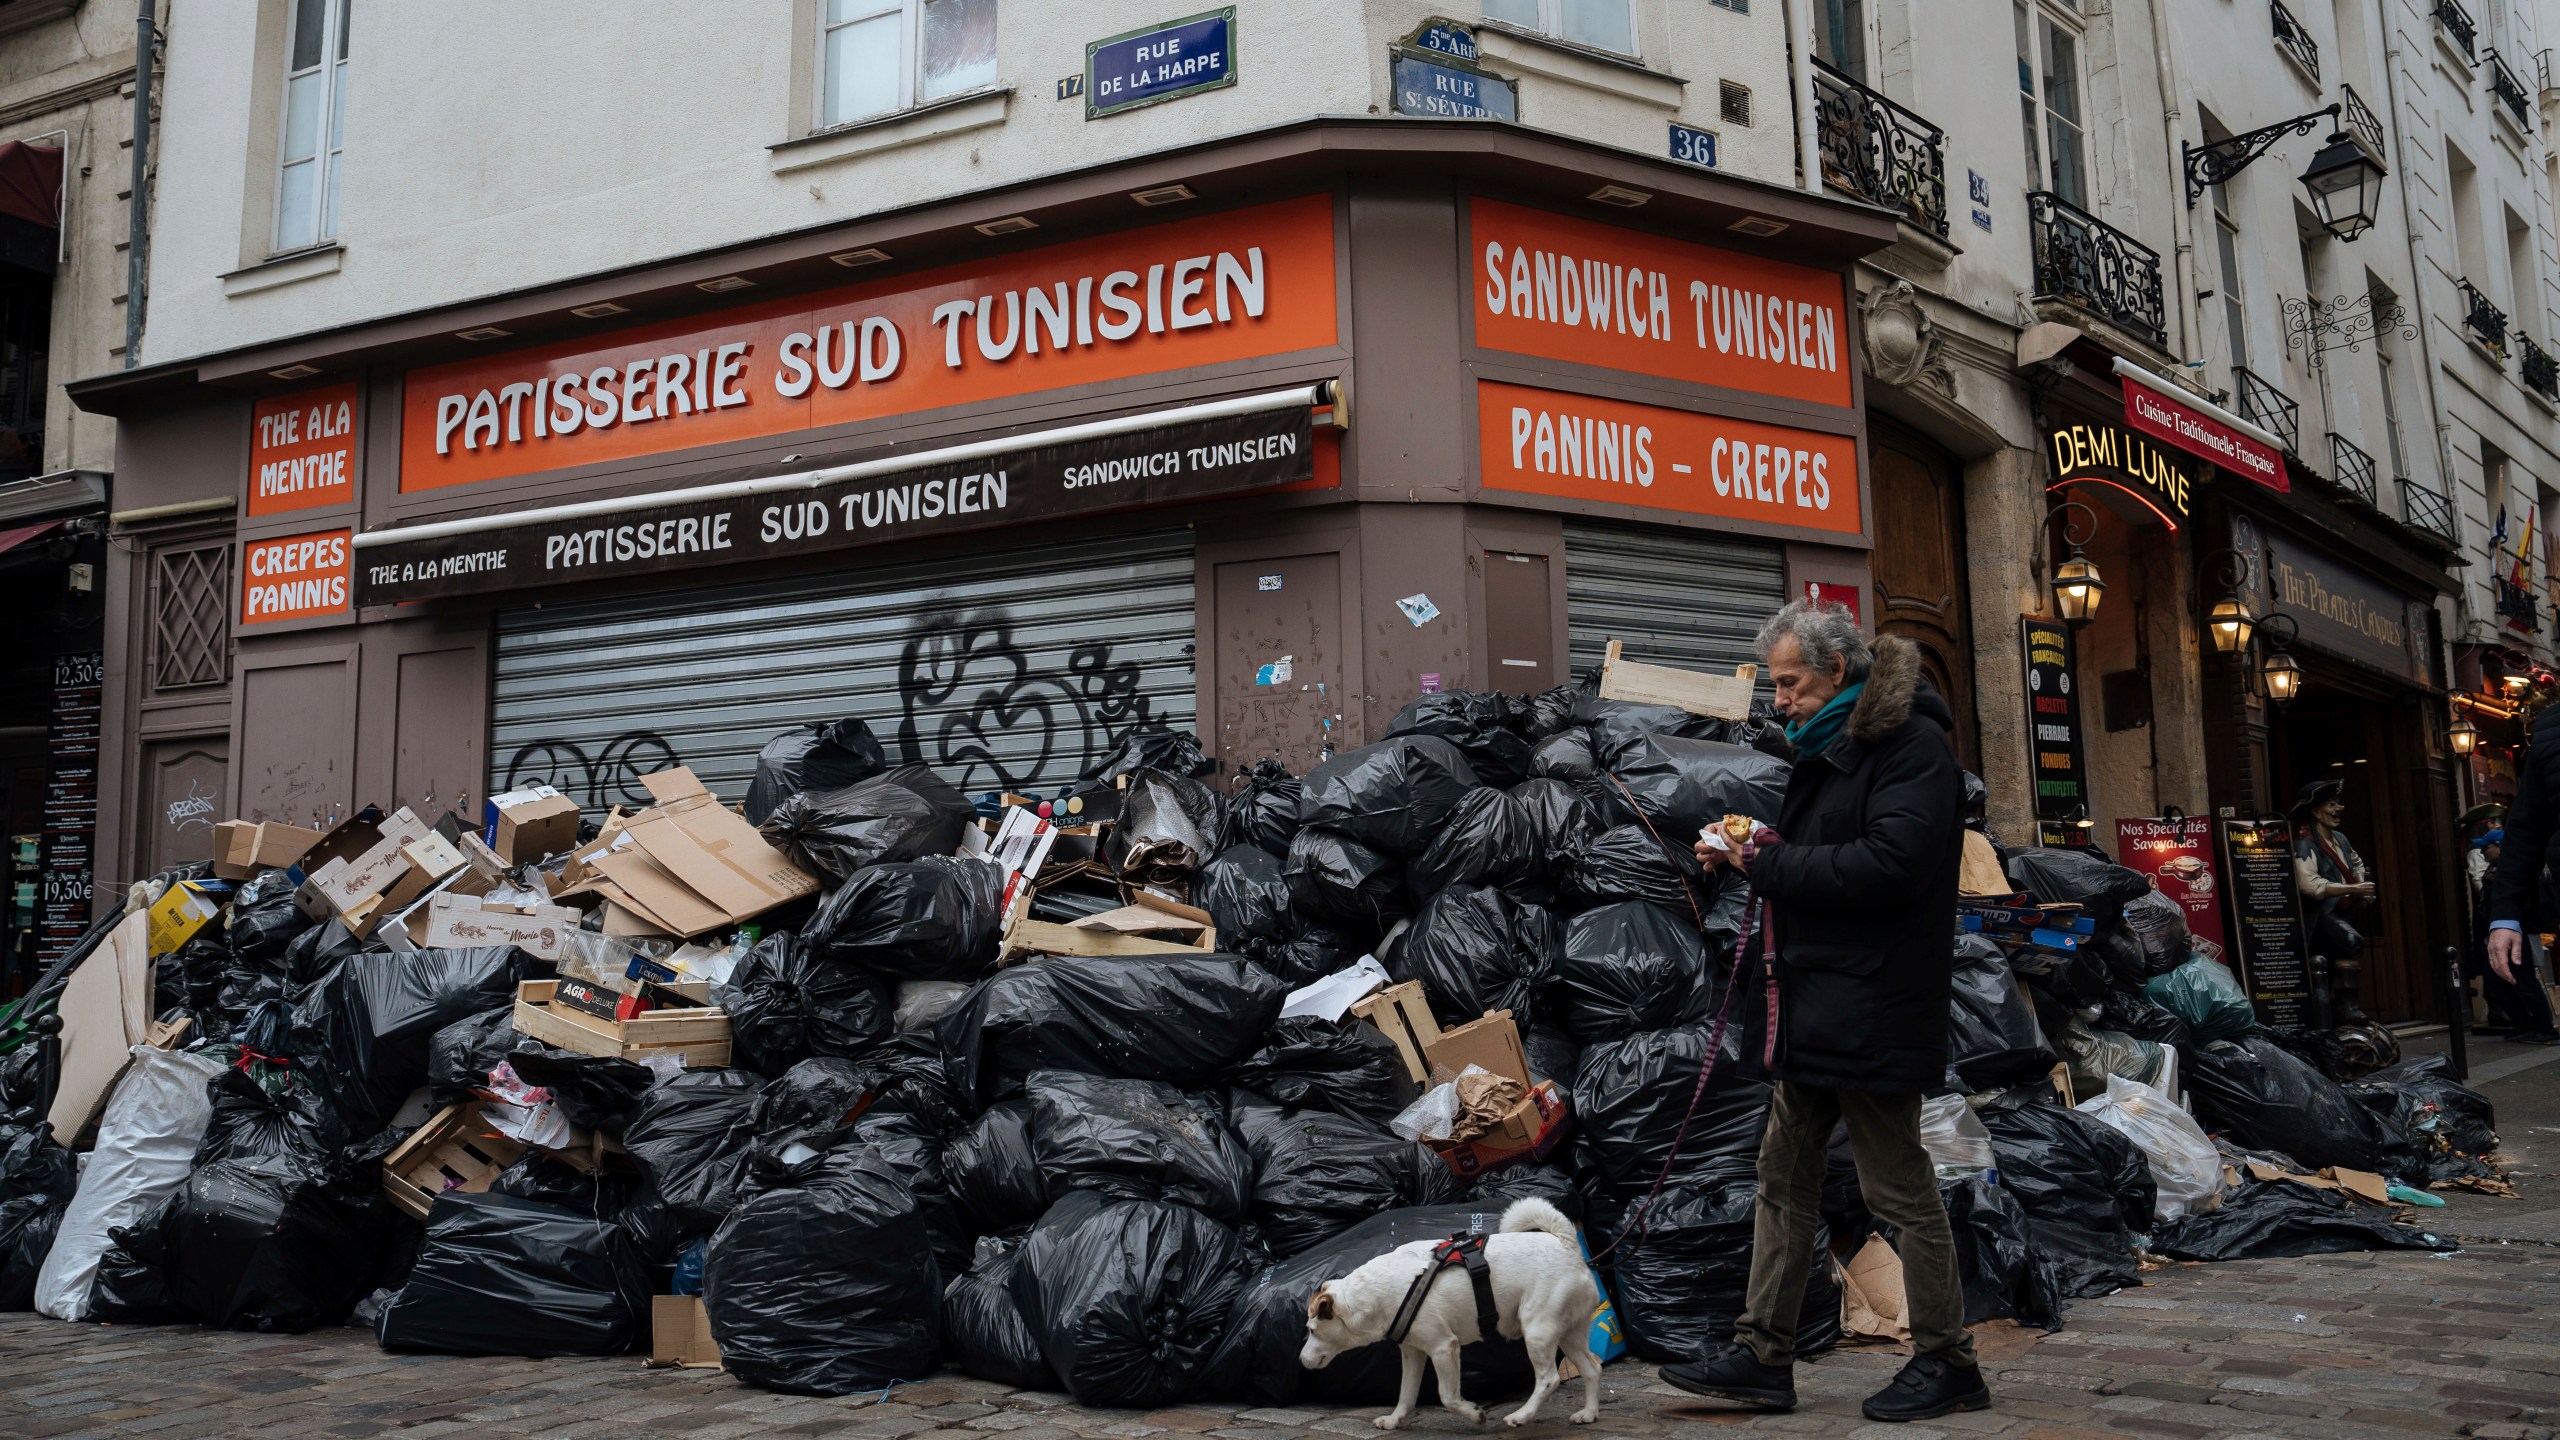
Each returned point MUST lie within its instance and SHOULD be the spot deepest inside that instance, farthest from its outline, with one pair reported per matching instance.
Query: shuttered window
(1688, 598)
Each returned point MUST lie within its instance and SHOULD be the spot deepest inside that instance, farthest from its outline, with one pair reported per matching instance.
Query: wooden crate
(456, 1150)
(1727, 697)
(699, 1037)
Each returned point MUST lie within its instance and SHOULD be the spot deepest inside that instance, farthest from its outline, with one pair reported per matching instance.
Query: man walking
(2515, 881)
(1861, 880)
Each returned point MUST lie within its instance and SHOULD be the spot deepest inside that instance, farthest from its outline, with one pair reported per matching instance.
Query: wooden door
(1519, 623)
(1280, 650)
(1920, 583)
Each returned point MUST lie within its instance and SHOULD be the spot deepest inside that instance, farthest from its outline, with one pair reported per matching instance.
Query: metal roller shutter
(1007, 670)
(1688, 598)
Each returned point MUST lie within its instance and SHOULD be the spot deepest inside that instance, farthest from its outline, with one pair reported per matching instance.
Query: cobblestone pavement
(2336, 1347)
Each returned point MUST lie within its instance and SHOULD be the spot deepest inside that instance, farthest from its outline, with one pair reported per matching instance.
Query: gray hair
(1824, 632)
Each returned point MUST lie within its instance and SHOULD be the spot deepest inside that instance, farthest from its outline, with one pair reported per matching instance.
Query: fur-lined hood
(1895, 690)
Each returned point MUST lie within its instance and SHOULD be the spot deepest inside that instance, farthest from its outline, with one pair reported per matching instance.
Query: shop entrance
(2337, 730)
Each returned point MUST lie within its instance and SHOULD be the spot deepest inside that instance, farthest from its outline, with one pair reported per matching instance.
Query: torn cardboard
(687, 866)
(465, 922)
(242, 848)
(680, 1334)
(106, 1011)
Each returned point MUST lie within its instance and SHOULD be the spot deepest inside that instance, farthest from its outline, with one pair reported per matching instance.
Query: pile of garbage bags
(1122, 1175)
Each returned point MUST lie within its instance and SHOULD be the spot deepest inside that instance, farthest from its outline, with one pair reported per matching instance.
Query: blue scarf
(1814, 736)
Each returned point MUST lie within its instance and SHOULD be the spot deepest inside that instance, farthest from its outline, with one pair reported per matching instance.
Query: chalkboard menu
(70, 806)
(2053, 721)
(2267, 934)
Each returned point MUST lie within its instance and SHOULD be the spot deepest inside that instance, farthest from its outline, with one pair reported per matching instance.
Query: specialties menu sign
(1191, 461)
(2053, 720)
(2267, 933)
(2178, 856)
(70, 806)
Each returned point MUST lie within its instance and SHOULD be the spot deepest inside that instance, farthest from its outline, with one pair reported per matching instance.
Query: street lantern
(2464, 735)
(2283, 676)
(2077, 586)
(2230, 623)
(2346, 188)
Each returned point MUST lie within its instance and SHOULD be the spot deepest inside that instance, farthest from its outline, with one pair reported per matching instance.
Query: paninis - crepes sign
(1194, 460)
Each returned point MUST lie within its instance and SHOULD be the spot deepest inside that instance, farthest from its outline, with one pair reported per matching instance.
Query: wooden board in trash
(697, 1036)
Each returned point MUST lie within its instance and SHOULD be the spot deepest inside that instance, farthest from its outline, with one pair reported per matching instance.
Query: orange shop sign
(1219, 288)
(1566, 289)
(302, 450)
(295, 578)
(1581, 447)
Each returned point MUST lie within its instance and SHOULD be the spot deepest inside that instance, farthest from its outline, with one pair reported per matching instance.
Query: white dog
(1542, 1290)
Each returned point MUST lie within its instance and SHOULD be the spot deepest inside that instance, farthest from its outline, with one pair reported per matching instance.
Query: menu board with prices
(70, 806)
(2267, 934)
(2053, 720)
(2177, 854)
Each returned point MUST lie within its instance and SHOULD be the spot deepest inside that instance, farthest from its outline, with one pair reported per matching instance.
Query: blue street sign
(1693, 145)
(1448, 39)
(1161, 62)
(1423, 88)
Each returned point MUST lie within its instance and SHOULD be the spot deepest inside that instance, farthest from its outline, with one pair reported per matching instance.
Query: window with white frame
(877, 57)
(2049, 105)
(2235, 294)
(1600, 24)
(315, 124)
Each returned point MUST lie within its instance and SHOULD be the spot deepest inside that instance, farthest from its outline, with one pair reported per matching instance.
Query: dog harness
(1464, 1249)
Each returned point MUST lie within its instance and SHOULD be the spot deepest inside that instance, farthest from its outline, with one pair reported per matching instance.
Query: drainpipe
(1799, 15)
(138, 238)
(2182, 222)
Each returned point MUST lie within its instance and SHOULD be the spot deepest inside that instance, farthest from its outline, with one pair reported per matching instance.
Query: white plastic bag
(1435, 1115)
(146, 1145)
(1958, 1142)
(2184, 1163)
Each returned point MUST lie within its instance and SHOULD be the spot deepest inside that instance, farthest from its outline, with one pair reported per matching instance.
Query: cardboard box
(688, 866)
(1530, 1130)
(680, 1334)
(1492, 1042)
(531, 824)
(242, 848)
(179, 913)
(342, 885)
(465, 922)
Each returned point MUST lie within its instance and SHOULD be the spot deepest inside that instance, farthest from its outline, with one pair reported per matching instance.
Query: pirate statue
(2332, 876)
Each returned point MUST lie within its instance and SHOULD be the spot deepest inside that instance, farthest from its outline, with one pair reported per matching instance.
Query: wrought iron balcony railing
(1880, 151)
(2458, 27)
(2510, 91)
(2268, 408)
(2361, 122)
(2352, 468)
(2084, 260)
(2516, 606)
(2295, 40)
(2540, 372)
(2424, 509)
(2486, 322)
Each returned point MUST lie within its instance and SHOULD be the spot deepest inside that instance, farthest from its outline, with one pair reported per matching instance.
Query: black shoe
(2534, 1037)
(1928, 1388)
(1730, 1371)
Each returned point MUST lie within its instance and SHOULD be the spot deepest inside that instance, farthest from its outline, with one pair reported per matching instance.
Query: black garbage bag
(1475, 949)
(132, 1285)
(1624, 862)
(2118, 950)
(1247, 897)
(814, 1103)
(1392, 797)
(2129, 1013)
(2073, 978)
(1151, 746)
(2264, 1097)
(787, 1003)
(1496, 1188)
(610, 1192)
(2420, 1095)
(461, 1054)
(1336, 879)
(824, 1281)
(1137, 1140)
(1684, 785)
(918, 1155)
(691, 1137)
(1486, 728)
(363, 1031)
(1548, 712)
(1565, 757)
(199, 966)
(2006, 1276)
(1630, 1095)
(2098, 885)
(982, 1329)
(2158, 925)
(600, 1092)
(1263, 811)
(995, 1171)
(1321, 1173)
(1561, 821)
(931, 919)
(1628, 967)
(501, 1276)
(314, 953)
(1992, 1038)
(264, 921)
(1310, 1063)
(1182, 1019)
(2086, 1190)
(1315, 953)
(904, 814)
(1612, 722)
(1488, 839)
(2274, 1219)
(1552, 1054)
(1268, 1323)
(817, 756)
(284, 1241)
(283, 1117)
(1682, 1263)
(37, 1179)
(1165, 820)
(915, 1079)
(1129, 1299)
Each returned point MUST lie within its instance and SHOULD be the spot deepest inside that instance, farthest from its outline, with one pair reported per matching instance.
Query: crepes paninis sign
(1187, 461)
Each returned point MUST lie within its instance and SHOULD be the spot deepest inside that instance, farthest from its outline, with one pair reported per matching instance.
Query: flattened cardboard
(689, 866)
(463, 922)
(242, 848)
(106, 1011)
(680, 1334)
